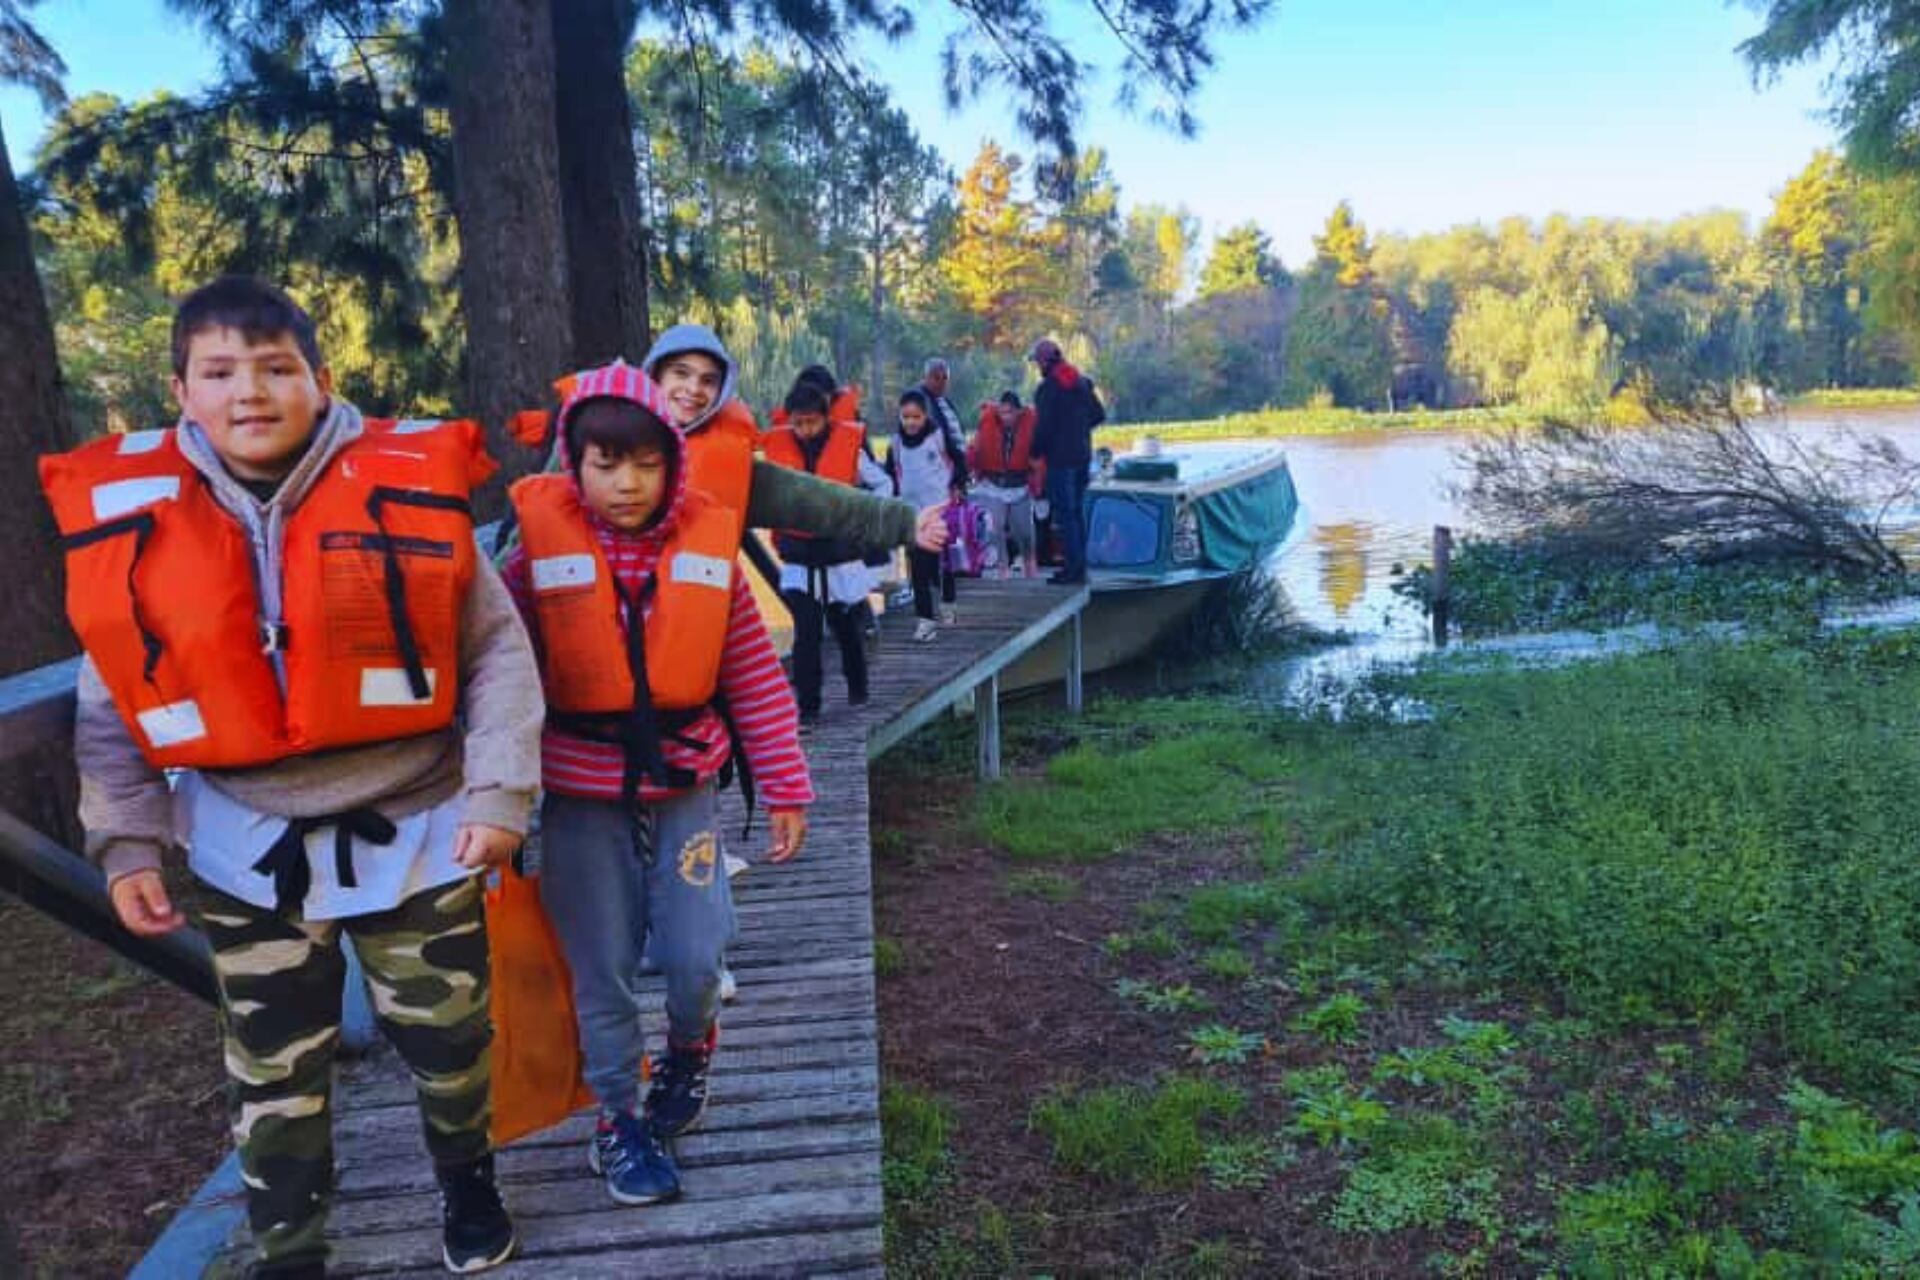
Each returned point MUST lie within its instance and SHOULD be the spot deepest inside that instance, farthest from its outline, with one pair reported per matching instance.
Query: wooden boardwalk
(783, 1177)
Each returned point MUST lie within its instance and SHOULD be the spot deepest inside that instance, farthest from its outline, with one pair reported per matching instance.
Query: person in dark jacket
(1067, 410)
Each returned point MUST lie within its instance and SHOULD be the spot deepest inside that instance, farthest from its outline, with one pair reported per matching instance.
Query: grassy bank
(1496, 588)
(1331, 421)
(1600, 971)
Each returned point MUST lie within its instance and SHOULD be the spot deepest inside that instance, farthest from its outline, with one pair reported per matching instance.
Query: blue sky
(1423, 114)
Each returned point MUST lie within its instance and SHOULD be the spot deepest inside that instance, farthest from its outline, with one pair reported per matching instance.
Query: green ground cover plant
(1498, 587)
(1154, 1137)
(1602, 970)
(1720, 832)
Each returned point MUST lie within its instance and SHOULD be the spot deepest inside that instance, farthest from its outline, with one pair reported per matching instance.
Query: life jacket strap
(286, 859)
(396, 584)
(141, 526)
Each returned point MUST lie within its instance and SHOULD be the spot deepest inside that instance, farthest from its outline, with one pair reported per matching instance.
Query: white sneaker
(729, 989)
(734, 864)
(926, 629)
(947, 615)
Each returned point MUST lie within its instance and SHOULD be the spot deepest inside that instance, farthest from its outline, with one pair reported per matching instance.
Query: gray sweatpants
(612, 904)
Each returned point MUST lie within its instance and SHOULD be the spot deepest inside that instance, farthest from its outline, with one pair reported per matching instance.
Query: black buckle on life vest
(273, 636)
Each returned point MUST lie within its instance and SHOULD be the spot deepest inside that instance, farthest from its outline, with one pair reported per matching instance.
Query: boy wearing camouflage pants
(282, 601)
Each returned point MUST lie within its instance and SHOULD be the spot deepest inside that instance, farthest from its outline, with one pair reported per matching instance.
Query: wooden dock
(783, 1177)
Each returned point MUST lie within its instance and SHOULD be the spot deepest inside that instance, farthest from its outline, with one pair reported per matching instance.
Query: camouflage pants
(280, 981)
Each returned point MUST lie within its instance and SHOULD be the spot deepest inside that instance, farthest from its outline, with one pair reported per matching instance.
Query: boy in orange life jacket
(822, 580)
(626, 577)
(284, 600)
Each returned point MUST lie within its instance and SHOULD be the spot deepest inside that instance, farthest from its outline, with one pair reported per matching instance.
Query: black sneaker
(626, 1153)
(475, 1230)
(678, 1097)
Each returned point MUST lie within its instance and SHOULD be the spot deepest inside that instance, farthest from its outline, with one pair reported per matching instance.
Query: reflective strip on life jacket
(375, 564)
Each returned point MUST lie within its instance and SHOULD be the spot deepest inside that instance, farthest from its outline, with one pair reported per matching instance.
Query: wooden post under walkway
(783, 1177)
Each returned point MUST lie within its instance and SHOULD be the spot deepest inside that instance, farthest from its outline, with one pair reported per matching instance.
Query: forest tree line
(808, 222)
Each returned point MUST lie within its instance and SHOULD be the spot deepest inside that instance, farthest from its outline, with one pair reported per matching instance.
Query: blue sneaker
(636, 1166)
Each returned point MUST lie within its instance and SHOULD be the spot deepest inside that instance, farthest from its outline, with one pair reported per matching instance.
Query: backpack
(966, 551)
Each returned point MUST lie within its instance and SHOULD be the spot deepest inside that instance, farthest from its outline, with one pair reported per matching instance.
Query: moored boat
(1165, 526)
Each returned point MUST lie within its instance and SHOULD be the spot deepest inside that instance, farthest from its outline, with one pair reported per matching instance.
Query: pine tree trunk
(599, 181)
(877, 288)
(33, 421)
(513, 253)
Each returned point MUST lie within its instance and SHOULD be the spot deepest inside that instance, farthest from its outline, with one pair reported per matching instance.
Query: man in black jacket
(1066, 410)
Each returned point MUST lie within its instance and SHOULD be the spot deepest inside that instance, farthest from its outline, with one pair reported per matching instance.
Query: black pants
(929, 567)
(843, 620)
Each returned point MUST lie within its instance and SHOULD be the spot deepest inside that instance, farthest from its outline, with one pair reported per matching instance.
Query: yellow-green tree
(997, 259)
(1242, 258)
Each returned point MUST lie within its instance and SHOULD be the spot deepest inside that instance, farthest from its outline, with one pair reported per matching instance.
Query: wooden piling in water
(1438, 601)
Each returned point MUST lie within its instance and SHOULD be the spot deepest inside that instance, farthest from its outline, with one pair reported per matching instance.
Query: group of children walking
(282, 602)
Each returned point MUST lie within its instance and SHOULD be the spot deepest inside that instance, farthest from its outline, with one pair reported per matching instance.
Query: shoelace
(629, 1141)
(677, 1072)
(470, 1195)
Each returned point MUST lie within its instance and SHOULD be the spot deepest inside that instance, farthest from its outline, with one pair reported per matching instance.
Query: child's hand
(789, 833)
(140, 899)
(930, 532)
(479, 846)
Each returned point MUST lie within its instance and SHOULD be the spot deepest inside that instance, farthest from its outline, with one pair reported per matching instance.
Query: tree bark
(33, 421)
(599, 181)
(513, 251)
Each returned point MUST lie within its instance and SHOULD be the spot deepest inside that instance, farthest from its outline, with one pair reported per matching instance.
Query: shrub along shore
(1328, 421)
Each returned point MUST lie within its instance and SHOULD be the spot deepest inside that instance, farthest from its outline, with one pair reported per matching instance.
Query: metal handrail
(36, 708)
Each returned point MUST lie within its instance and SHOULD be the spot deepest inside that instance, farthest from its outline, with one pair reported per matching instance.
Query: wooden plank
(932, 702)
(847, 1252)
(541, 1158)
(784, 1176)
(585, 1193)
(688, 1221)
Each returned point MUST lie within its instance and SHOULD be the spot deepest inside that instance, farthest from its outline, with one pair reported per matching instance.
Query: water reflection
(1343, 563)
(1368, 505)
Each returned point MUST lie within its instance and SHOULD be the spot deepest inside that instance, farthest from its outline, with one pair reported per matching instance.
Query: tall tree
(513, 281)
(33, 413)
(598, 176)
(997, 260)
(1242, 258)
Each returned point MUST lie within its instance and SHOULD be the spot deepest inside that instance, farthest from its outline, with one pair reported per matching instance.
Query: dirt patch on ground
(111, 1113)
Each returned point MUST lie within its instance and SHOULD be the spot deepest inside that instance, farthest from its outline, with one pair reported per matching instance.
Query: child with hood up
(626, 577)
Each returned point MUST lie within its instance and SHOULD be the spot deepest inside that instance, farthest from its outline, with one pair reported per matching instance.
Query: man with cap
(1067, 410)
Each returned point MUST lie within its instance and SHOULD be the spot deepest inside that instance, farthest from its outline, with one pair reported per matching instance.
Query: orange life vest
(719, 456)
(838, 460)
(991, 457)
(579, 609)
(375, 564)
(846, 405)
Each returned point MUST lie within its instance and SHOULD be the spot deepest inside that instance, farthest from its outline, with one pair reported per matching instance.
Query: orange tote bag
(536, 1036)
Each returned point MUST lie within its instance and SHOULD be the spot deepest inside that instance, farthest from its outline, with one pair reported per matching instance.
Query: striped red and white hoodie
(751, 681)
